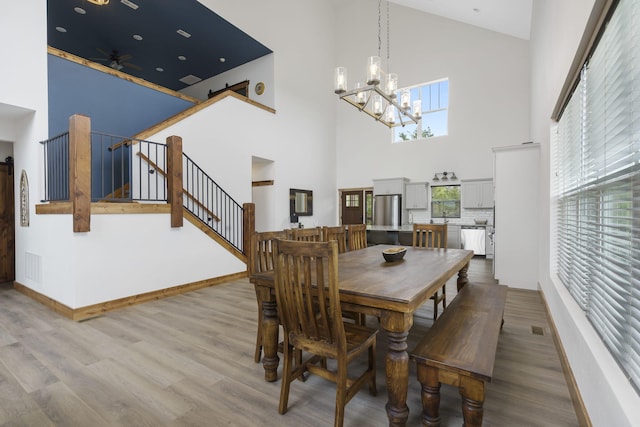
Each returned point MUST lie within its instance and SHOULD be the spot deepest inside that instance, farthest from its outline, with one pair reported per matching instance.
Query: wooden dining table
(391, 291)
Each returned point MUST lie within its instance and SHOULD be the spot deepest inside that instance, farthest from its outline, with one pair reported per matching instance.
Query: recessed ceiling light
(137, 37)
(159, 69)
(221, 59)
(61, 29)
(475, 9)
(132, 5)
(80, 10)
(183, 33)
(182, 58)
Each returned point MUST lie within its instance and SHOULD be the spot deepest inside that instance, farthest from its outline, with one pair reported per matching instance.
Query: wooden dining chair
(262, 260)
(432, 236)
(357, 236)
(309, 309)
(307, 234)
(337, 233)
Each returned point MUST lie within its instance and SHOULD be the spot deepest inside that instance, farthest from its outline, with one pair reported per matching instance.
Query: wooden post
(248, 228)
(174, 179)
(80, 171)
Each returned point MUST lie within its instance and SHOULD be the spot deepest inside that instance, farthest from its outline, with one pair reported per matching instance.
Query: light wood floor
(188, 361)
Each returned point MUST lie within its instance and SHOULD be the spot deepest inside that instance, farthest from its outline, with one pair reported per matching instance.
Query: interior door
(7, 224)
(353, 206)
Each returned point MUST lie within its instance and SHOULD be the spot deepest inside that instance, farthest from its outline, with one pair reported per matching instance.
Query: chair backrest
(307, 295)
(307, 234)
(262, 256)
(357, 236)
(430, 235)
(338, 233)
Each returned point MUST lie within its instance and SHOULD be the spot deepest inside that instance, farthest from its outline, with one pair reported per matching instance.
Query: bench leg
(472, 392)
(428, 377)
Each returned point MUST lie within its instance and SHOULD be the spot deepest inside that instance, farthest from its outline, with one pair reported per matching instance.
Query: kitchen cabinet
(389, 186)
(453, 236)
(477, 194)
(416, 195)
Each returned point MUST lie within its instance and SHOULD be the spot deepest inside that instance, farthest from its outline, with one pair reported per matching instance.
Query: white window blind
(598, 167)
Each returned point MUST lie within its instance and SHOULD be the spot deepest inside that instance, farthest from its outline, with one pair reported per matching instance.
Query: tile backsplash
(466, 216)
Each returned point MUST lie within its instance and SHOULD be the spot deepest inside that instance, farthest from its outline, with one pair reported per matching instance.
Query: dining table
(390, 291)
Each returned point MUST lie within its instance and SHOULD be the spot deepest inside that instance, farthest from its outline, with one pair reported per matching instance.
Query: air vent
(183, 33)
(190, 79)
(537, 330)
(130, 4)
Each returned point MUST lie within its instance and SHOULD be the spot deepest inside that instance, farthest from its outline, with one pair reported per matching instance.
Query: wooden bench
(460, 350)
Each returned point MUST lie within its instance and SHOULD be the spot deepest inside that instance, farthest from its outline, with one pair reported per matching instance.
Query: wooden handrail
(189, 195)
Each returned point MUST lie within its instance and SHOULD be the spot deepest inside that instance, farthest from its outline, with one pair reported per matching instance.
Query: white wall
(260, 70)
(489, 94)
(556, 31)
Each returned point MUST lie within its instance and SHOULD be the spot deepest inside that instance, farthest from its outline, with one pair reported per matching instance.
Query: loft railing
(126, 170)
(56, 168)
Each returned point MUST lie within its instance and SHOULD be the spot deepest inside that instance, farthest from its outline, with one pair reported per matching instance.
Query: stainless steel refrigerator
(387, 210)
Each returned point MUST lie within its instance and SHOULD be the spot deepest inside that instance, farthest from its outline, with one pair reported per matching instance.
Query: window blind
(597, 152)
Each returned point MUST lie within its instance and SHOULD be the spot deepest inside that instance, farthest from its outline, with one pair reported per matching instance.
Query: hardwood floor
(187, 360)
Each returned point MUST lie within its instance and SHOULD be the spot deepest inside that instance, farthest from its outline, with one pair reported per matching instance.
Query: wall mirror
(300, 202)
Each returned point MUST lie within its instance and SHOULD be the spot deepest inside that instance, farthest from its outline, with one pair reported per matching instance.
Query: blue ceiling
(100, 30)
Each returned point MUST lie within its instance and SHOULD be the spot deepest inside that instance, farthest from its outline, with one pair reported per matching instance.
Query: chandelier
(379, 102)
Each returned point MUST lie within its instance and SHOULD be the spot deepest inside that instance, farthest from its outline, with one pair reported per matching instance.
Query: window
(352, 201)
(445, 201)
(435, 112)
(597, 166)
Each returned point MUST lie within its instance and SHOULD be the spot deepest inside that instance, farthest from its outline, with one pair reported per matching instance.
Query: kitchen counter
(409, 227)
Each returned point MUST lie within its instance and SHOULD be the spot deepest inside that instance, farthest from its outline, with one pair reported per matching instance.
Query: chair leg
(286, 378)
(435, 305)
(341, 393)
(258, 352)
(444, 296)
(373, 390)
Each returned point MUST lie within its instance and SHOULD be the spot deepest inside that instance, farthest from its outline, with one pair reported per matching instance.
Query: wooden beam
(248, 228)
(174, 179)
(80, 171)
(262, 183)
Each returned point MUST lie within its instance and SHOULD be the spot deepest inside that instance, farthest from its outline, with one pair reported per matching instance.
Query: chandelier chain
(388, 38)
(379, 26)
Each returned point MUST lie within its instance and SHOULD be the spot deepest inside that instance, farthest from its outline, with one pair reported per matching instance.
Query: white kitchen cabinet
(453, 237)
(477, 194)
(389, 186)
(416, 195)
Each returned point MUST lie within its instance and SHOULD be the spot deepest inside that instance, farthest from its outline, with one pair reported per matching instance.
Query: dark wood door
(7, 224)
(353, 204)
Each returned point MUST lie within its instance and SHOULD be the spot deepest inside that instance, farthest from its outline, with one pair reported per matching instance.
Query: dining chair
(309, 308)
(357, 236)
(307, 234)
(432, 236)
(262, 261)
(337, 233)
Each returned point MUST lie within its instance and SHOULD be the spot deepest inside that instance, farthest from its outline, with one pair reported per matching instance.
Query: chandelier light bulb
(417, 108)
(340, 80)
(405, 99)
(392, 84)
(391, 114)
(361, 97)
(377, 105)
(373, 70)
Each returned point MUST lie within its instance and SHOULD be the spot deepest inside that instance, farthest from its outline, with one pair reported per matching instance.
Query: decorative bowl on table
(480, 221)
(394, 254)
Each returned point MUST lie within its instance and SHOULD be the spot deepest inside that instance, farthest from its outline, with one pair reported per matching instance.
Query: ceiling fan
(115, 60)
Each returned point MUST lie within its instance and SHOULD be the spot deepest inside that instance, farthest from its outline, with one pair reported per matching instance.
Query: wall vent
(537, 330)
(33, 267)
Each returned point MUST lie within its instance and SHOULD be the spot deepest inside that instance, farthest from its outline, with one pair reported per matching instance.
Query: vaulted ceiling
(175, 43)
(159, 41)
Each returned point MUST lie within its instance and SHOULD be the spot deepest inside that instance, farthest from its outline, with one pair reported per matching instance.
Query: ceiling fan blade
(125, 57)
(103, 52)
(130, 65)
